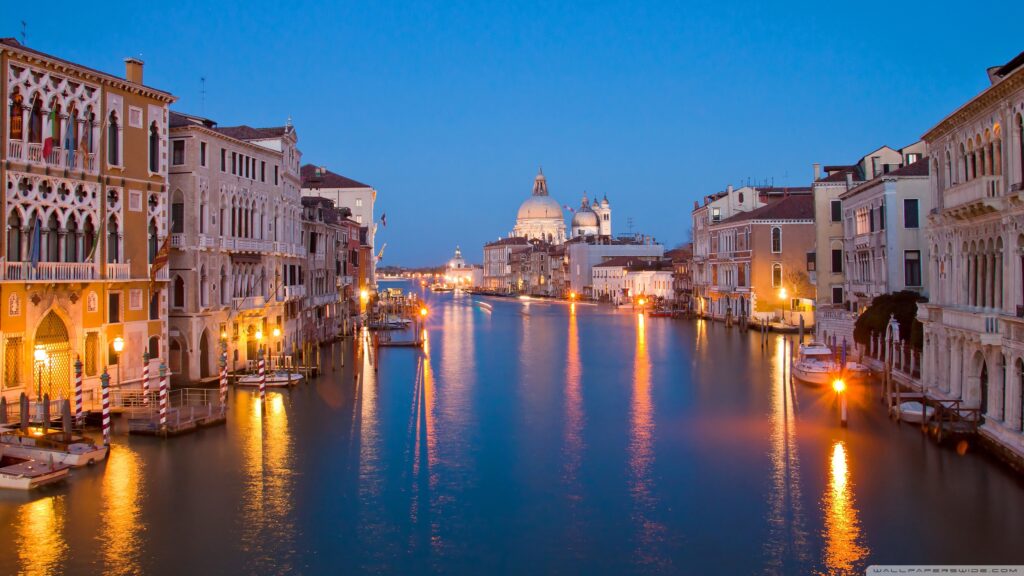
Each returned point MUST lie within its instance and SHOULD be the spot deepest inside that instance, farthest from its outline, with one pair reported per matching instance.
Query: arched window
(113, 243)
(14, 232)
(55, 115)
(1020, 149)
(179, 293)
(776, 275)
(153, 241)
(154, 347)
(52, 238)
(71, 240)
(113, 141)
(89, 240)
(776, 240)
(178, 212)
(90, 124)
(949, 171)
(35, 123)
(963, 163)
(225, 292)
(154, 148)
(71, 132)
(17, 119)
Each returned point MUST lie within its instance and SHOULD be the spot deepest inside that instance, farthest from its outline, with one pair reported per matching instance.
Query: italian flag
(48, 143)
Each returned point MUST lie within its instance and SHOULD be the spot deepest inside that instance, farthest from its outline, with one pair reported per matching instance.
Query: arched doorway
(204, 355)
(982, 383)
(177, 361)
(53, 374)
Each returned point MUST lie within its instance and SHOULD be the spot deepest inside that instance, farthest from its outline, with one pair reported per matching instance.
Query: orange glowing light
(642, 302)
(839, 386)
(423, 311)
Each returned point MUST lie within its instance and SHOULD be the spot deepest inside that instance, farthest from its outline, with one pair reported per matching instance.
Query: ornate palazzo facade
(974, 322)
(84, 205)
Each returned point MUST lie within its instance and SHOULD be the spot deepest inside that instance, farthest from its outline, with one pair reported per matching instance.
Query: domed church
(540, 216)
(592, 218)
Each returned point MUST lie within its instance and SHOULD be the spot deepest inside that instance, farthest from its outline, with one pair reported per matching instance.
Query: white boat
(912, 412)
(276, 379)
(75, 451)
(26, 474)
(814, 364)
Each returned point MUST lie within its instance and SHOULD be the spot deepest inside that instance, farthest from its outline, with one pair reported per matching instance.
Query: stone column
(970, 280)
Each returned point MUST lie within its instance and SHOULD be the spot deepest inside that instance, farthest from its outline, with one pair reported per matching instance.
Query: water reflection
(40, 539)
(787, 536)
(269, 469)
(641, 453)
(573, 404)
(844, 546)
(121, 532)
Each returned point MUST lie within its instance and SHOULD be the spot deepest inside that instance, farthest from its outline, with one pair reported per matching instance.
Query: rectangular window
(881, 216)
(113, 307)
(912, 268)
(910, 213)
(837, 294)
(202, 153)
(135, 299)
(776, 275)
(871, 218)
(812, 261)
(223, 160)
(234, 163)
(92, 342)
(154, 306)
(359, 202)
(263, 171)
(837, 210)
(275, 175)
(837, 261)
(178, 218)
(178, 152)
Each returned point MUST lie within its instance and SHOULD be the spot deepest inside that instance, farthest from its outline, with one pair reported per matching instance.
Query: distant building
(540, 216)
(459, 273)
(884, 244)
(682, 276)
(347, 193)
(622, 279)
(757, 260)
(497, 273)
(583, 253)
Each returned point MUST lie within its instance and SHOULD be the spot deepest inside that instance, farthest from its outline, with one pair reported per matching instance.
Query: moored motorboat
(915, 412)
(70, 450)
(814, 364)
(27, 474)
(275, 379)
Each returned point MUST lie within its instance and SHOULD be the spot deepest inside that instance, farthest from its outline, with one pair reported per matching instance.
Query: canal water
(531, 437)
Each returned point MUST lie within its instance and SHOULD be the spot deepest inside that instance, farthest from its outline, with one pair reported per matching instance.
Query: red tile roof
(516, 240)
(838, 173)
(249, 133)
(797, 207)
(327, 179)
(919, 168)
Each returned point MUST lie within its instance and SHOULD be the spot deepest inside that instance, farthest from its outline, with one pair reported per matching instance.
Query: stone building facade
(974, 321)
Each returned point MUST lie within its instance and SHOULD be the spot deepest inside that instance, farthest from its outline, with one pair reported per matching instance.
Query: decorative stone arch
(976, 392)
(54, 333)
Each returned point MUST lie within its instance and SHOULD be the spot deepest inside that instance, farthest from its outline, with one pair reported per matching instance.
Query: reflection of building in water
(787, 537)
(844, 546)
(121, 529)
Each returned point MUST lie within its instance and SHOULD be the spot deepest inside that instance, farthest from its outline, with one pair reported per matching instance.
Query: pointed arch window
(179, 292)
(113, 141)
(154, 147)
(14, 236)
(71, 240)
(17, 118)
(35, 123)
(52, 238)
(89, 240)
(113, 242)
(153, 244)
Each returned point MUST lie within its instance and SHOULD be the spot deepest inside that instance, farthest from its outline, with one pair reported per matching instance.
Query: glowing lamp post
(118, 348)
(277, 335)
(840, 387)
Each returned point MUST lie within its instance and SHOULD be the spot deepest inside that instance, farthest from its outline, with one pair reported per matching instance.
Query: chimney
(133, 70)
(817, 171)
(849, 180)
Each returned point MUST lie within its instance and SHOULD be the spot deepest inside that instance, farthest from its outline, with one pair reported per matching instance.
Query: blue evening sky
(448, 108)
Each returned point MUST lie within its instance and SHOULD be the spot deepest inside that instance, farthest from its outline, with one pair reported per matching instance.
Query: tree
(902, 305)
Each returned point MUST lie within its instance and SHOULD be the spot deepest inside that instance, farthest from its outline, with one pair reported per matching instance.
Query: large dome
(539, 207)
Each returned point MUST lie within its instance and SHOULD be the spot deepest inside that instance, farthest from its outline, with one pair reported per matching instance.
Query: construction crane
(380, 255)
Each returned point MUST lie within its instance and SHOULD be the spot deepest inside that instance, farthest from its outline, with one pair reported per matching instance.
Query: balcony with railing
(250, 302)
(163, 274)
(975, 196)
(49, 271)
(31, 152)
(178, 240)
(207, 242)
(119, 271)
(294, 292)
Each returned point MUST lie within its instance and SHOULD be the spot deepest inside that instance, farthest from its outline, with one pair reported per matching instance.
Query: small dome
(584, 218)
(539, 207)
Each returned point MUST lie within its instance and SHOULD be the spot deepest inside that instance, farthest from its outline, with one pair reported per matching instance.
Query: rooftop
(316, 177)
(795, 207)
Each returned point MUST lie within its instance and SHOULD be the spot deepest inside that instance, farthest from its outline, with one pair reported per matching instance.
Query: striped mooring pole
(145, 378)
(224, 379)
(263, 378)
(163, 396)
(105, 386)
(78, 390)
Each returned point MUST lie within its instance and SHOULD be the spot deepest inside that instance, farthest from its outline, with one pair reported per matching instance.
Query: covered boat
(37, 444)
(275, 379)
(815, 364)
(27, 474)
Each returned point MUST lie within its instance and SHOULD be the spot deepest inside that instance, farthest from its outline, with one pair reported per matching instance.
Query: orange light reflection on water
(40, 540)
(844, 545)
(573, 401)
(120, 528)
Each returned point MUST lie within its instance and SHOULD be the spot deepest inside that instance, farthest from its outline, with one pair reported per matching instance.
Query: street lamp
(40, 357)
(840, 387)
(118, 348)
(277, 334)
